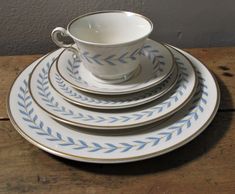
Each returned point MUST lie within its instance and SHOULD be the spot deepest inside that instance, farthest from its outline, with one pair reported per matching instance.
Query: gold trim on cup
(108, 45)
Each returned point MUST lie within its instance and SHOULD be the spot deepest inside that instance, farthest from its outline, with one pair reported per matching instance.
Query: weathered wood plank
(10, 67)
(206, 165)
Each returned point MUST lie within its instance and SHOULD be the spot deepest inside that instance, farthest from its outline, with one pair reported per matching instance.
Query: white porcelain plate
(52, 103)
(156, 65)
(85, 99)
(73, 143)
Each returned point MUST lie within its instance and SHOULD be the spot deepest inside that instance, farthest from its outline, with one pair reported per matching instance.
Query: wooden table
(205, 165)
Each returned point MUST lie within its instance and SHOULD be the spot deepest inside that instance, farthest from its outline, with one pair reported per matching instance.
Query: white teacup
(108, 42)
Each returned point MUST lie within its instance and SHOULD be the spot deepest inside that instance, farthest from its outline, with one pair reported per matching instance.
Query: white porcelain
(108, 42)
(85, 99)
(144, 142)
(157, 63)
(58, 108)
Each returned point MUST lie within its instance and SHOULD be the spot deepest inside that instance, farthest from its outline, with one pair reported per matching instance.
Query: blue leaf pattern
(28, 114)
(111, 59)
(49, 99)
(152, 54)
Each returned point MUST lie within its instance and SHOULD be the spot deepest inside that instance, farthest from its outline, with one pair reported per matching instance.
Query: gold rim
(120, 92)
(123, 160)
(111, 107)
(109, 45)
(112, 127)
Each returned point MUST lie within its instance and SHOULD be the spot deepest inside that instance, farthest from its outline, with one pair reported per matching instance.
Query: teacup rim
(111, 44)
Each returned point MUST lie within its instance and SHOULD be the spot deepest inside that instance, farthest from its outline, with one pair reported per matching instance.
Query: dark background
(25, 25)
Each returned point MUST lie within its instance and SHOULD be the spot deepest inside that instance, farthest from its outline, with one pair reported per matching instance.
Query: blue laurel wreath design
(46, 96)
(73, 70)
(72, 93)
(32, 119)
(155, 57)
(111, 59)
(148, 51)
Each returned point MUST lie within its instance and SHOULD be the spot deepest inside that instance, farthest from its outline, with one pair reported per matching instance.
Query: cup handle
(63, 33)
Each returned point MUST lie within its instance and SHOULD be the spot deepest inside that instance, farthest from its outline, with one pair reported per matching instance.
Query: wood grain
(205, 165)
(10, 68)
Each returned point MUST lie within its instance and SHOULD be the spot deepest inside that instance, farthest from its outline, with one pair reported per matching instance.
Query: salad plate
(85, 99)
(73, 143)
(156, 65)
(58, 108)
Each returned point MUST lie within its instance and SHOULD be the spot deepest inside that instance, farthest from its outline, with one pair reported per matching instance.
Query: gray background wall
(25, 25)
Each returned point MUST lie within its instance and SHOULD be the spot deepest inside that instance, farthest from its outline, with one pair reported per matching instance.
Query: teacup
(108, 42)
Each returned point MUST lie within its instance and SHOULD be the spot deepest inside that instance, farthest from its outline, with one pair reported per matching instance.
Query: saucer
(145, 142)
(85, 99)
(156, 65)
(58, 108)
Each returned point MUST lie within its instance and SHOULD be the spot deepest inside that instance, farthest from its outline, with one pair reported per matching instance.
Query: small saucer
(156, 65)
(85, 99)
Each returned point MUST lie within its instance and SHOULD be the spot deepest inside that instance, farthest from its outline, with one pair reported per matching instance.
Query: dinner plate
(145, 142)
(85, 99)
(53, 104)
(156, 65)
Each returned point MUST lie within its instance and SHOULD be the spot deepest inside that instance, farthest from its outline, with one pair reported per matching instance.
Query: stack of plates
(59, 106)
